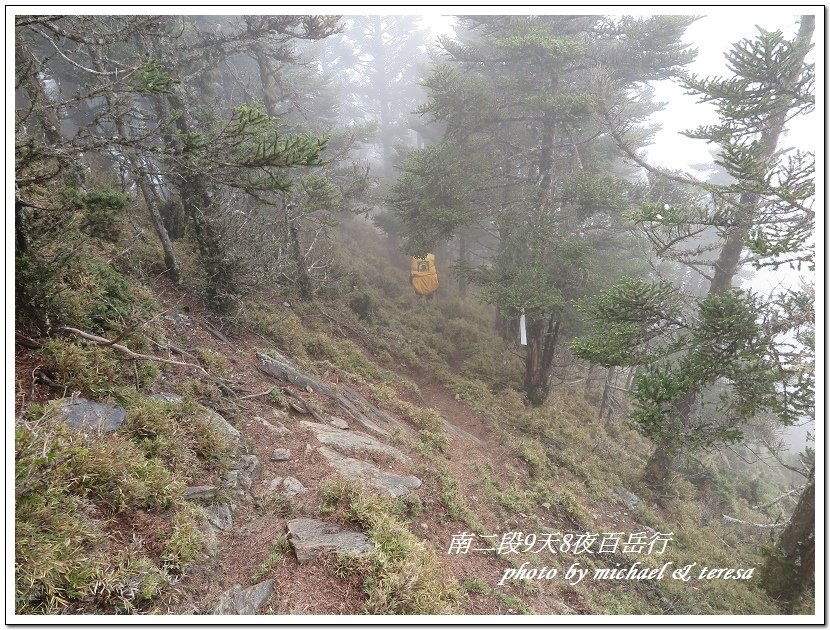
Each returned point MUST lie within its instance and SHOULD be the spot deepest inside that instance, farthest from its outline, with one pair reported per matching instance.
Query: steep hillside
(393, 421)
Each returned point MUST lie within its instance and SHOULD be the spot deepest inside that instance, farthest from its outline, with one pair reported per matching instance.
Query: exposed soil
(313, 588)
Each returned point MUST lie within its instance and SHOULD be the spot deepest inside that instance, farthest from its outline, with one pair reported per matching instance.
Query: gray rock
(338, 423)
(251, 465)
(275, 484)
(626, 497)
(311, 537)
(220, 516)
(277, 429)
(293, 486)
(179, 320)
(244, 601)
(231, 479)
(369, 474)
(546, 505)
(89, 417)
(353, 441)
(200, 493)
(280, 455)
(222, 426)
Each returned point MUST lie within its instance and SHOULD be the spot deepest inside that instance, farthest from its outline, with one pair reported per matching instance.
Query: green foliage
(185, 543)
(179, 434)
(402, 575)
(62, 557)
(152, 78)
(279, 549)
(101, 209)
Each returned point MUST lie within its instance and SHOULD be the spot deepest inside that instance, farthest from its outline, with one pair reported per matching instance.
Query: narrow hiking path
(247, 542)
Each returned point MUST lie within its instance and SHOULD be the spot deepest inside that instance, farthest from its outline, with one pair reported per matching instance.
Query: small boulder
(251, 465)
(627, 498)
(280, 455)
(220, 516)
(310, 537)
(244, 601)
(293, 487)
(200, 493)
(278, 429)
(275, 484)
(89, 417)
(338, 423)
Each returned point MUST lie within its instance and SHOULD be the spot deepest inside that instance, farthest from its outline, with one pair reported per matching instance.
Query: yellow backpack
(423, 275)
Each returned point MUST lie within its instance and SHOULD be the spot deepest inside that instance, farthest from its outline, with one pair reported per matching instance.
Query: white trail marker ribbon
(522, 329)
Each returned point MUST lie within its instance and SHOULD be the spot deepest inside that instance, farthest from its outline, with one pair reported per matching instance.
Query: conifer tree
(524, 165)
(709, 365)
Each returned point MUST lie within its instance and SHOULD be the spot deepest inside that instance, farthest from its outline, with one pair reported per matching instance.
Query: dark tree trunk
(267, 80)
(790, 567)
(605, 405)
(660, 465)
(542, 336)
(198, 204)
(463, 254)
(303, 279)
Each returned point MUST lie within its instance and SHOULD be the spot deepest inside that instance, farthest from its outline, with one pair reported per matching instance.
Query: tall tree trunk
(542, 337)
(605, 405)
(790, 567)
(267, 80)
(660, 465)
(382, 91)
(303, 279)
(729, 258)
(199, 204)
(463, 255)
(146, 187)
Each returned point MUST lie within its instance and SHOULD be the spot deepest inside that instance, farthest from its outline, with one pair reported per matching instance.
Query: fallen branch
(265, 393)
(214, 331)
(777, 499)
(171, 348)
(145, 357)
(23, 340)
(761, 525)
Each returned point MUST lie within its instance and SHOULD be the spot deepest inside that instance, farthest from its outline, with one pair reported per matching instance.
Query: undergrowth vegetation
(402, 575)
(565, 463)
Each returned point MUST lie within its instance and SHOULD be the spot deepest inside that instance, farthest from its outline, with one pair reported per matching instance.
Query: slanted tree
(709, 365)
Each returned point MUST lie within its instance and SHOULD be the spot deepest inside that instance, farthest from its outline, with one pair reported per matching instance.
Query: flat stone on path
(311, 537)
(292, 486)
(353, 441)
(277, 429)
(244, 601)
(369, 474)
(338, 423)
(89, 417)
(220, 516)
(195, 493)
